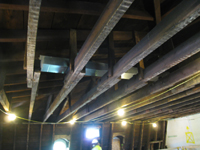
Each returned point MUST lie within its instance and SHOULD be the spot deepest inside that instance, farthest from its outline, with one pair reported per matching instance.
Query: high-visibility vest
(97, 147)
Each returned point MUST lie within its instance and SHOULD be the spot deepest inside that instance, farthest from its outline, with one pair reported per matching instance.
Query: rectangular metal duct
(53, 64)
(60, 65)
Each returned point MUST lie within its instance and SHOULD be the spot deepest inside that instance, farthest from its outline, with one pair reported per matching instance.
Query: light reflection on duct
(60, 65)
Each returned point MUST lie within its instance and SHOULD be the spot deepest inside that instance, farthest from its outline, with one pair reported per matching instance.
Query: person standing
(95, 145)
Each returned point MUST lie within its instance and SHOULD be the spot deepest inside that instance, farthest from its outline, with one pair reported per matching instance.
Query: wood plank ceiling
(159, 38)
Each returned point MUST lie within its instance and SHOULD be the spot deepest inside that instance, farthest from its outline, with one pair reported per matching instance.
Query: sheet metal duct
(60, 65)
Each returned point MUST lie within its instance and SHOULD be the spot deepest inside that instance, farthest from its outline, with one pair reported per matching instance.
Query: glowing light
(72, 121)
(92, 133)
(154, 125)
(124, 123)
(11, 117)
(120, 112)
(59, 145)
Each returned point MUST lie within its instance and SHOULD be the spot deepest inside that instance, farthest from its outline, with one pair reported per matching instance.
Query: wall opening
(61, 144)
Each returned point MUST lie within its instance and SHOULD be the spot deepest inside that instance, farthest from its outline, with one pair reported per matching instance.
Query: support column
(27, 139)
(164, 133)
(133, 137)
(149, 137)
(41, 128)
(107, 136)
(141, 135)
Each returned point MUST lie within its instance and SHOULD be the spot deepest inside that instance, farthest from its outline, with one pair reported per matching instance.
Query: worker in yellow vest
(95, 145)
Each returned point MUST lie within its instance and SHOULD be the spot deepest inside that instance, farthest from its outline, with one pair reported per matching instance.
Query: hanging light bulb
(11, 117)
(120, 112)
(124, 123)
(72, 121)
(154, 125)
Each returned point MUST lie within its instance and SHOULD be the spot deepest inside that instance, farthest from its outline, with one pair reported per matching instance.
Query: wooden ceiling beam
(183, 98)
(23, 87)
(56, 35)
(21, 79)
(161, 33)
(166, 110)
(34, 89)
(45, 91)
(72, 7)
(33, 18)
(108, 19)
(173, 113)
(3, 98)
(16, 57)
(143, 94)
(4, 101)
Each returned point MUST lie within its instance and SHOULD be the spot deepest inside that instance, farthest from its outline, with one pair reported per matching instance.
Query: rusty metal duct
(112, 13)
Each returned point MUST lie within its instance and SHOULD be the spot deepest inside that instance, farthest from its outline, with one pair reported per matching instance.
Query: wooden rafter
(110, 16)
(85, 8)
(33, 18)
(4, 101)
(34, 92)
(162, 32)
(56, 35)
(144, 93)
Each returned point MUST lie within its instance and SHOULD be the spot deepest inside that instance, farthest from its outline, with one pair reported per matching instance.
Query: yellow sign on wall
(189, 136)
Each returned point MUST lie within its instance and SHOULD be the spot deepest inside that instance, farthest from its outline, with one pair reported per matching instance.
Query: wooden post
(133, 137)
(1, 134)
(73, 48)
(156, 134)
(164, 133)
(2, 75)
(53, 134)
(14, 137)
(82, 136)
(34, 84)
(27, 139)
(75, 137)
(106, 136)
(128, 136)
(49, 102)
(40, 144)
(149, 137)
(111, 135)
(141, 135)
(138, 38)
(157, 11)
(25, 58)
(111, 54)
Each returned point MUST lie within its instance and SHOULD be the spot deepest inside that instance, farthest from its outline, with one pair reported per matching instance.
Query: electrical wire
(29, 120)
(113, 113)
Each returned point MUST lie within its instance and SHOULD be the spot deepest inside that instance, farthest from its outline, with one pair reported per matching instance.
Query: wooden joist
(36, 80)
(72, 7)
(21, 79)
(42, 85)
(33, 18)
(145, 92)
(184, 111)
(109, 18)
(167, 102)
(49, 101)
(4, 101)
(174, 57)
(56, 35)
(161, 33)
(141, 136)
